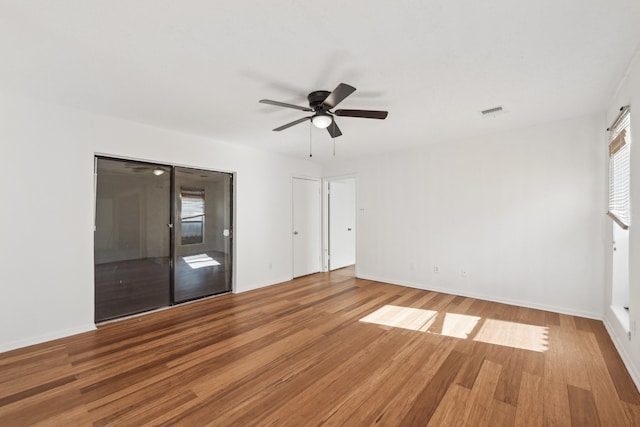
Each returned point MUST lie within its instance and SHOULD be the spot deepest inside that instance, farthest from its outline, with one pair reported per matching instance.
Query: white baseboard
(262, 285)
(618, 342)
(46, 337)
(520, 303)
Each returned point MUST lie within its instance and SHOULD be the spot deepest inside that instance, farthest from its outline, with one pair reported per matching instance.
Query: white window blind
(192, 216)
(619, 171)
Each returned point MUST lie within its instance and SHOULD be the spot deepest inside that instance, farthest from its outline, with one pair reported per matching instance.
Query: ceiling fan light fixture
(321, 120)
(321, 104)
(158, 171)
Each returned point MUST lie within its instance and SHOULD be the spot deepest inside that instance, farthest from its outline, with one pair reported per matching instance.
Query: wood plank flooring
(133, 286)
(326, 349)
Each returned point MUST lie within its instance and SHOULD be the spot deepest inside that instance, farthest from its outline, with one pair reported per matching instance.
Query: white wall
(629, 348)
(46, 185)
(520, 212)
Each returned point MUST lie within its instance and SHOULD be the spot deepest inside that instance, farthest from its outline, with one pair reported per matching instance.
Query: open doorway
(340, 224)
(620, 270)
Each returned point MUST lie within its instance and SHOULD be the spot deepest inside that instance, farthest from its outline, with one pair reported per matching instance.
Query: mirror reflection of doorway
(151, 251)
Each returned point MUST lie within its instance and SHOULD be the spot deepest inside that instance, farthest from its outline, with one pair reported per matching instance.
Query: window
(619, 170)
(192, 216)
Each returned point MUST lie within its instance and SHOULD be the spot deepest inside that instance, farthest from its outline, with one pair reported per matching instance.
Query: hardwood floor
(326, 349)
(133, 286)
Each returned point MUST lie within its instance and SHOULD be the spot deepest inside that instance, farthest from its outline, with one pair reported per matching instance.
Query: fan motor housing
(317, 98)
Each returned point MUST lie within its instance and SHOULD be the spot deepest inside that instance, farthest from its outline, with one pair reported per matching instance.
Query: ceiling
(200, 66)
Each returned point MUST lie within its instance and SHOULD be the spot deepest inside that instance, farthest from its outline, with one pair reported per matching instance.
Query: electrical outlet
(464, 273)
(436, 269)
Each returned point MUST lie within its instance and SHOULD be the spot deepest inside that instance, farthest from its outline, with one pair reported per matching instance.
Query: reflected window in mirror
(192, 215)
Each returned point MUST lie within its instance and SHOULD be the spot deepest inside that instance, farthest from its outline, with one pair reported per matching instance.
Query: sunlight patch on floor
(491, 331)
(458, 325)
(415, 319)
(200, 261)
(512, 334)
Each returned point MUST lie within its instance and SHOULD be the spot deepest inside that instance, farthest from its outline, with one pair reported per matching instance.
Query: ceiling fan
(147, 168)
(321, 104)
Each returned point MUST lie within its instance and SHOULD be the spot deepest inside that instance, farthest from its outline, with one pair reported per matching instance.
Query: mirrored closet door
(162, 236)
(202, 233)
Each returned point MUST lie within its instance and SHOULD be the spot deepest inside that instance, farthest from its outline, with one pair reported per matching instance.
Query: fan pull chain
(310, 144)
(334, 147)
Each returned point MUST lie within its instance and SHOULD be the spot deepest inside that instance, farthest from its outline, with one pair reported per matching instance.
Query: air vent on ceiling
(491, 111)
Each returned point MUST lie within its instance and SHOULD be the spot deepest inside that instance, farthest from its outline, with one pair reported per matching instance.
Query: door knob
(348, 229)
(295, 233)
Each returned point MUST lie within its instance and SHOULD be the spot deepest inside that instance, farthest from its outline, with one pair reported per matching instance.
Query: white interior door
(342, 223)
(307, 229)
